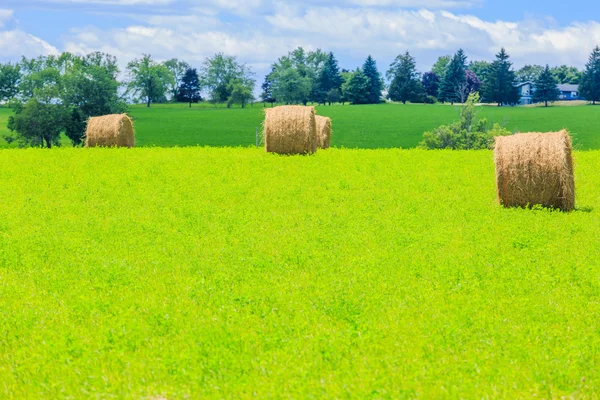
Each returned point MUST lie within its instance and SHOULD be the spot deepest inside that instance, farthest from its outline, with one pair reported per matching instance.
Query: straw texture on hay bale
(115, 130)
(290, 130)
(323, 132)
(535, 169)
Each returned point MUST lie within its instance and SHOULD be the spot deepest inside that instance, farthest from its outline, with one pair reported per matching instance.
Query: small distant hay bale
(290, 130)
(535, 169)
(115, 130)
(323, 132)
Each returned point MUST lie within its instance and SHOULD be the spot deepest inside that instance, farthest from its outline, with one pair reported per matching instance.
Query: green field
(370, 127)
(231, 273)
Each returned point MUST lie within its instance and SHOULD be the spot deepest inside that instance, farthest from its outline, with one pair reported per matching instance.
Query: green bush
(465, 134)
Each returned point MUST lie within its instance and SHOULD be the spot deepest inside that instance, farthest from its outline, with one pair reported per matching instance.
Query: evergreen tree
(454, 80)
(431, 83)
(189, 89)
(329, 79)
(375, 81)
(405, 84)
(590, 84)
(355, 89)
(545, 87)
(267, 89)
(499, 85)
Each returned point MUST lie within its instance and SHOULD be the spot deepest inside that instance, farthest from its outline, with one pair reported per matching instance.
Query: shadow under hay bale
(323, 132)
(535, 169)
(115, 130)
(290, 130)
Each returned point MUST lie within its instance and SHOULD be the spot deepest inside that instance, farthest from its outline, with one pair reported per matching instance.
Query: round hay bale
(535, 169)
(115, 130)
(290, 130)
(323, 132)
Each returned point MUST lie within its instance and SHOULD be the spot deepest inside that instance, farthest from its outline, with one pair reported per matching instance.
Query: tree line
(54, 94)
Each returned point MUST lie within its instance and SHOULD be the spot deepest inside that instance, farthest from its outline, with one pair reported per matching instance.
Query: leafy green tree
(329, 79)
(292, 78)
(440, 66)
(83, 86)
(480, 69)
(499, 86)
(405, 84)
(189, 88)
(545, 87)
(90, 88)
(178, 69)
(218, 73)
(454, 82)
(590, 84)
(375, 80)
(355, 89)
(37, 123)
(565, 74)
(467, 133)
(240, 93)
(10, 78)
(529, 73)
(149, 80)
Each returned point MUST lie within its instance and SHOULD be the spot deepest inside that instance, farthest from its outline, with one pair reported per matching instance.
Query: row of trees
(55, 94)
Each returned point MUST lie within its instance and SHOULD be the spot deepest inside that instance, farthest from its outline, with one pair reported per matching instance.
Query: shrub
(465, 134)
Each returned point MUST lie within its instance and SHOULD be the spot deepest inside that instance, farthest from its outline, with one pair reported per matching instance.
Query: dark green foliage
(356, 88)
(465, 134)
(405, 84)
(38, 124)
(499, 85)
(329, 79)
(375, 80)
(189, 88)
(454, 83)
(590, 84)
(10, 77)
(431, 84)
(293, 76)
(545, 87)
(267, 89)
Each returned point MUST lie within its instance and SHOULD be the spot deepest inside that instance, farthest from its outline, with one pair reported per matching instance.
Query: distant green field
(231, 273)
(369, 127)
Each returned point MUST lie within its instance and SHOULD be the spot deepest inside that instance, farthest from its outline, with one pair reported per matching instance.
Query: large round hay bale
(290, 130)
(115, 130)
(323, 132)
(535, 169)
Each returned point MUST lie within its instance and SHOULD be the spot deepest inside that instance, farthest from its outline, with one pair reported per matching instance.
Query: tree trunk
(546, 104)
(148, 102)
(48, 142)
(190, 104)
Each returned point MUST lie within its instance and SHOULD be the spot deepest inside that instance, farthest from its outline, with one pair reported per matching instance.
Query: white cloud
(15, 43)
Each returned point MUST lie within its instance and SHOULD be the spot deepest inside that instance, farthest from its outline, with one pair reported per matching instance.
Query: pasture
(368, 126)
(231, 273)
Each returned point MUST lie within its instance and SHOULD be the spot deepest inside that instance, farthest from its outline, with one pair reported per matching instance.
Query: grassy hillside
(230, 273)
(378, 126)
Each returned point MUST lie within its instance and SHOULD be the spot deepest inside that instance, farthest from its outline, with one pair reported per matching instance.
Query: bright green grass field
(370, 126)
(231, 273)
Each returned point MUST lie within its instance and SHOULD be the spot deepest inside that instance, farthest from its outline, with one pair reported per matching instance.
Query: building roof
(568, 88)
(519, 84)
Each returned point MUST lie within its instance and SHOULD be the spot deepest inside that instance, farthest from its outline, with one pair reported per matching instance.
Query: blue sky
(259, 31)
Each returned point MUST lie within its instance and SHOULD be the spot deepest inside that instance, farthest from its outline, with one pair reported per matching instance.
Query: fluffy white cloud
(15, 43)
